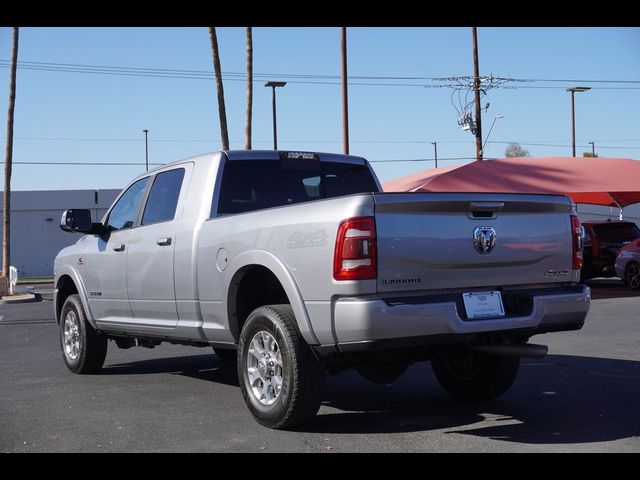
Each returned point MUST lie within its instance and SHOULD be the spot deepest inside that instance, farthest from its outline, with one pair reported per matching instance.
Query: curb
(29, 298)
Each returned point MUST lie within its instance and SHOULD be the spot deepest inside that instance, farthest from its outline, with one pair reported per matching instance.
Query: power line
(87, 163)
(209, 73)
(421, 159)
(314, 79)
(417, 142)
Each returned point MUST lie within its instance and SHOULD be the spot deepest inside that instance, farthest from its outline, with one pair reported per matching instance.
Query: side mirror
(79, 220)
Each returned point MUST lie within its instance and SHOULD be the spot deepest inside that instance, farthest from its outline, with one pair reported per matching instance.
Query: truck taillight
(577, 239)
(355, 253)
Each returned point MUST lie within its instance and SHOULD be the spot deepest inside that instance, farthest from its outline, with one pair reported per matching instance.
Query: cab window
(249, 185)
(124, 212)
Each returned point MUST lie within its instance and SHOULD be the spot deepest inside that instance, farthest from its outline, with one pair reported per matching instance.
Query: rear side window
(163, 197)
(249, 185)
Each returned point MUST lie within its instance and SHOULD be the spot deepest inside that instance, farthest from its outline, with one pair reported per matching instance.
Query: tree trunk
(247, 128)
(224, 134)
(6, 197)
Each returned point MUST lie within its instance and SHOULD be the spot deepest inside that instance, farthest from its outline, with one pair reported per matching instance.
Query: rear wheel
(280, 378)
(476, 376)
(632, 275)
(83, 348)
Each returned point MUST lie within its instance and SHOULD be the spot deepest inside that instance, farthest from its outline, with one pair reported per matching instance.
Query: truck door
(105, 259)
(150, 272)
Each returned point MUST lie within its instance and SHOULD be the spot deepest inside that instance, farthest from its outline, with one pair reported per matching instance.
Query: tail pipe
(514, 350)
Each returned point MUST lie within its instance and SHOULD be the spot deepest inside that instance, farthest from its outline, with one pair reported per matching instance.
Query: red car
(602, 241)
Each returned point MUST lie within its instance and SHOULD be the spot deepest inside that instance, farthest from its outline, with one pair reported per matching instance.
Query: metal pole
(593, 148)
(345, 100)
(476, 89)
(491, 129)
(275, 128)
(146, 150)
(435, 151)
(573, 125)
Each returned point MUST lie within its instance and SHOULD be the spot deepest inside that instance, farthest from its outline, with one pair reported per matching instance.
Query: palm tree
(224, 134)
(6, 208)
(247, 128)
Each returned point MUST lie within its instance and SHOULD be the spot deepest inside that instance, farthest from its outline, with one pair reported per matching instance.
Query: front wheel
(83, 348)
(280, 378)
(476, 376)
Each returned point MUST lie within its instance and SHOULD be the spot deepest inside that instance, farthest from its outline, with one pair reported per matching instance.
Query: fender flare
(77, 280)
(279, 269)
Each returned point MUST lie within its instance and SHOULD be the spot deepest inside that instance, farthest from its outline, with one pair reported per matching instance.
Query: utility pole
(6, 200)
(476, 90)
(435, 151)
(345, 100)
(146, 150)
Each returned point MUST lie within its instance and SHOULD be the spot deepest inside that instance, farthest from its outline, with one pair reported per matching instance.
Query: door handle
(119, 247)
(164, 241)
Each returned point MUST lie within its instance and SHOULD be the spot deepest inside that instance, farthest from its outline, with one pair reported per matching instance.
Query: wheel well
(66, 287)
(252, 286)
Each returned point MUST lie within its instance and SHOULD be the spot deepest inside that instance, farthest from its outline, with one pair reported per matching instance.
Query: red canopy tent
(596, 181)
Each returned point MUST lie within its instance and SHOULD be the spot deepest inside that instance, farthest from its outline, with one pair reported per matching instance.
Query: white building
(36, 237)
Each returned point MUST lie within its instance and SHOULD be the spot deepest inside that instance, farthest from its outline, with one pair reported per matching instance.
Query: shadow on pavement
(203, 367)
(602, 288)
(558, 399)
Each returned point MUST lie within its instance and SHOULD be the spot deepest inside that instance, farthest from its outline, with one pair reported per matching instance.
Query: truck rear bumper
(360, 321)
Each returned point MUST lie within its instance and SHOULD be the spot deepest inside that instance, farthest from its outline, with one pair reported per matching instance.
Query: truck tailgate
(467, 240)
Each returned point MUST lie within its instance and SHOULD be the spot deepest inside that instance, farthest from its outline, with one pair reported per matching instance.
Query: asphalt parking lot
(583, 397)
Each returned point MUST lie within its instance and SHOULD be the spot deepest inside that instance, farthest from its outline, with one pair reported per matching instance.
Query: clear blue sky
(76, 117)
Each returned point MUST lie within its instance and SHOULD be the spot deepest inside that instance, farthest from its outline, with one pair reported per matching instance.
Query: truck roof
(264, 155)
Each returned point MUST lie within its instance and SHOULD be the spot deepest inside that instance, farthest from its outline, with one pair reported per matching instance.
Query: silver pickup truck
(295, 264)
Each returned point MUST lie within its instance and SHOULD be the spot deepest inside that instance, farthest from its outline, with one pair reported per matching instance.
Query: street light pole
(593, 148)
(489, 134)
(146, 150)
(273, 86)
(435, 151)
(573, 90)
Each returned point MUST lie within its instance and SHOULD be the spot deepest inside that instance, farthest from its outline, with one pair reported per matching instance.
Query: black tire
(476, 376)
(91, 349)
(302, 374)
(383, 374)
(226, 355)
(632, 275)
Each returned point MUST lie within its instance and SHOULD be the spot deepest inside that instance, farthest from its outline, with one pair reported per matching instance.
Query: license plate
(483, 304)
